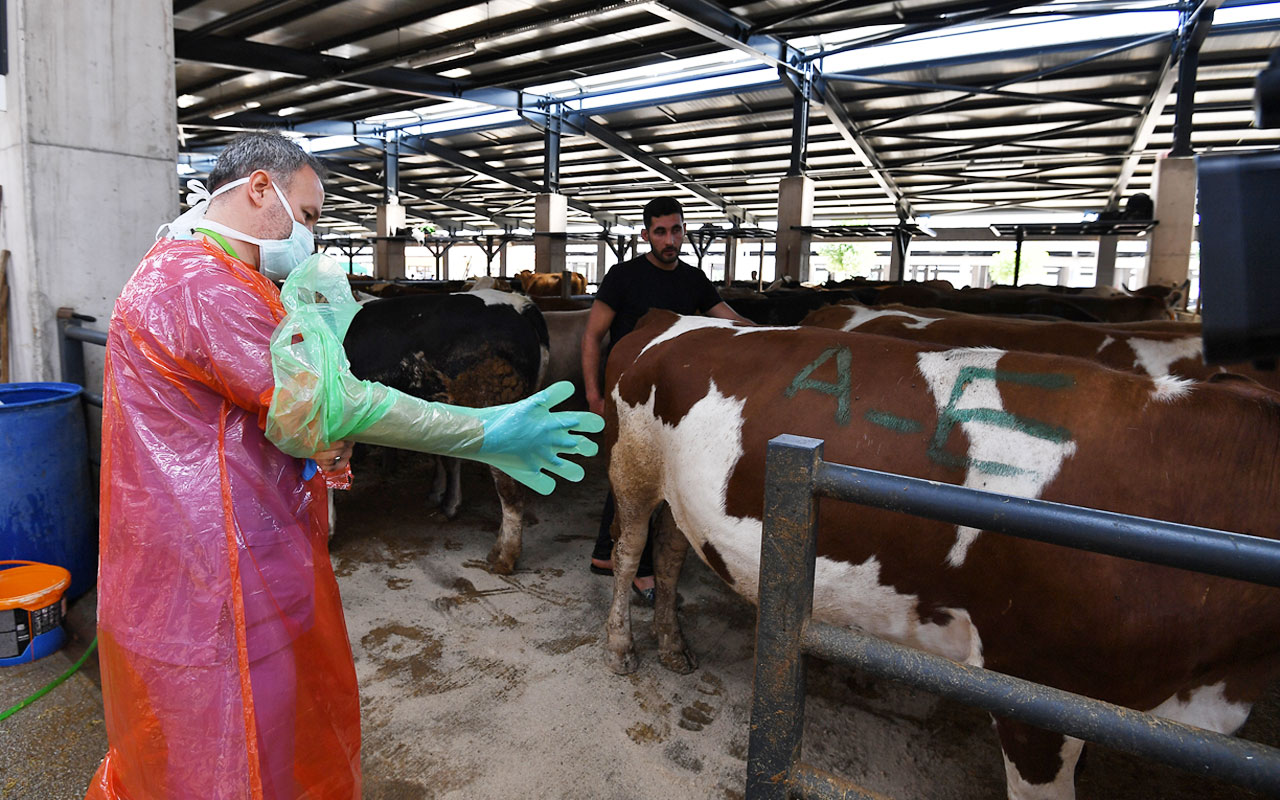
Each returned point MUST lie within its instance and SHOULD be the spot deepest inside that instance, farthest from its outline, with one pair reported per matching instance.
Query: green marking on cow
(893, 422)
(840, 389)
(950, 416)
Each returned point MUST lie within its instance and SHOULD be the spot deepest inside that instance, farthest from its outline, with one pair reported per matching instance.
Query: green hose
(9, 712)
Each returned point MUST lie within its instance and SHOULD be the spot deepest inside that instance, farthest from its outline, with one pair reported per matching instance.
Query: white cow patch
(1168, 388)
(698, 455)
(684, 325)
(1063, 785)
(1004, 456)
(863, 315)
(1155, 357)
(493, 297)
(1105, 344)
(1205, 707)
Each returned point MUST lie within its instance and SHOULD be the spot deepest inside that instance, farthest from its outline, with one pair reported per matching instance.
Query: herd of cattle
(1074, 398)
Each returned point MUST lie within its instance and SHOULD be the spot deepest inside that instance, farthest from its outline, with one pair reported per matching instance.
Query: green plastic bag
(318, 401)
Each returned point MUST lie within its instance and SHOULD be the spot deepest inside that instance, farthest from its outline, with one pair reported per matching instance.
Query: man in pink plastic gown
(226, 668)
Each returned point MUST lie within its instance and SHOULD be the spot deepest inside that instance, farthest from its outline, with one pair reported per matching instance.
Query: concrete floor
(482, 686)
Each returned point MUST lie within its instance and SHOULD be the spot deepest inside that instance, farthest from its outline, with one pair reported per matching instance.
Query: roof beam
(245, 55)
(260, 17)
(424, 146)
(414, 194)
(719, 25)
(862, 150)
(1199, 23)
(602, 135)
(726, 28)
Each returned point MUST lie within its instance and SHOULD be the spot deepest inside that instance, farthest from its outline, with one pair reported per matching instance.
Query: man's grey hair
(279, 155)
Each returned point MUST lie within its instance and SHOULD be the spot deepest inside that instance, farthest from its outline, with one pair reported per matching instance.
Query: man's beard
(667, 256)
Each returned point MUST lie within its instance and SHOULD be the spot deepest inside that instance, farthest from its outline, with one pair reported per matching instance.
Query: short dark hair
(276, 153)
(661, 207)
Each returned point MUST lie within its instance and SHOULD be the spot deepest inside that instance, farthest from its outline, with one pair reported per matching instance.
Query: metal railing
(796, 476)
(72, 335)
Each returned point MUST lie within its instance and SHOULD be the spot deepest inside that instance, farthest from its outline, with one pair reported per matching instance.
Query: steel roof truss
(1128, 45)
(974, 91)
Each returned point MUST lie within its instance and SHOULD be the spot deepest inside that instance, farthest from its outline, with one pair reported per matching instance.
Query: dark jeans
(604, 541)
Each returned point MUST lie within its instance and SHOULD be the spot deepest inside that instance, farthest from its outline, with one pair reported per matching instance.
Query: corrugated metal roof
(997, 120)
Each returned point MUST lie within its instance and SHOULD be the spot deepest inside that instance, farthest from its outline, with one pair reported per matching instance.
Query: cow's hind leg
(1038, 764)
(439, 481)
(668, 558)
(511, 496)
(632, 528)
(452, 501)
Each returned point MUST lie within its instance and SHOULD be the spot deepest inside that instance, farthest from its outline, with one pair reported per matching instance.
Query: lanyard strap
(219, 239)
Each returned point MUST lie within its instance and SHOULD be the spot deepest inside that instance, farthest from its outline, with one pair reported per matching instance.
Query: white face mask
(276, 257)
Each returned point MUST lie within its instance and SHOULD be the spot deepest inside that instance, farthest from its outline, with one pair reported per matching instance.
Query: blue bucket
(48, 508)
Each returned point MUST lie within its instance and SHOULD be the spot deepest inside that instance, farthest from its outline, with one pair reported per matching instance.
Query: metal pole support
(788, 551)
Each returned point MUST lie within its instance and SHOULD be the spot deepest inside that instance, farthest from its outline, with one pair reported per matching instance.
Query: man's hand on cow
(335, 457)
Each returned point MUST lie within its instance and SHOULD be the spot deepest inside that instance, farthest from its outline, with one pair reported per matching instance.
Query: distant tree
(848, 259)
(1033, 260)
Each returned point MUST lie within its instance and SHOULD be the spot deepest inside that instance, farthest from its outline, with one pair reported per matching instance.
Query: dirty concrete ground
(481, 686)
(484, 686)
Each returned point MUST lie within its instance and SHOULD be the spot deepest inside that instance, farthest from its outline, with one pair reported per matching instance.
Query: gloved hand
(526, 437)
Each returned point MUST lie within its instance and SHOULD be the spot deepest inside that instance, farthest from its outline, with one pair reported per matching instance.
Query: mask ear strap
(284, 201)
(198, 198)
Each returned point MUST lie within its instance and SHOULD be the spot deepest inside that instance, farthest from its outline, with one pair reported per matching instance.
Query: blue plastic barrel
(48, 507)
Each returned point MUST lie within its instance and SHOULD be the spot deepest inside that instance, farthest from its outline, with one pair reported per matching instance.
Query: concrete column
(730, 260)
(1169, 252)
(502, 261)
(550, 214)
(795, 207)
(388, 255)
(88, 144)
(602, 254)
(1106, 272)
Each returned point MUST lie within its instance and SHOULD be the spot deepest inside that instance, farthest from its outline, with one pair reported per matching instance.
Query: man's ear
(644, 234)
(259, 186)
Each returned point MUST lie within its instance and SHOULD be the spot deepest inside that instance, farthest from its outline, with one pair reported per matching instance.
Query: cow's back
(693, 412)
(474, 348)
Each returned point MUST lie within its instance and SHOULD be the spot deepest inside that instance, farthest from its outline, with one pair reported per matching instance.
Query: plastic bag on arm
(318, 401)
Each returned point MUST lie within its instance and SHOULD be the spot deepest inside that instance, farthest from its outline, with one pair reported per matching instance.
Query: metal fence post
(787, 553)
(72, 352)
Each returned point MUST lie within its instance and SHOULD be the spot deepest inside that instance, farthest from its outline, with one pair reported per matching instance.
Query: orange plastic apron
(226, 668)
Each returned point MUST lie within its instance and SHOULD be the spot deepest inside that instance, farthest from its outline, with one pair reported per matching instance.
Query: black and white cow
(476, 349)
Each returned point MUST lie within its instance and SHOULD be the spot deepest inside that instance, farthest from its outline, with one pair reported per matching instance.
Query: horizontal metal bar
(1193, 749)
(810, 783)
(848, 77)
(93, 399)
(86, 335)
(1230, 555)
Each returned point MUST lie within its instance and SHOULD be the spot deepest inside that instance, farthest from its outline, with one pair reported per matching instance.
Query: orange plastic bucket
(32, 607)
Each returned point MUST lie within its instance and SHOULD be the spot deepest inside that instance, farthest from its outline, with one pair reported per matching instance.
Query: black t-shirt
(633, 287)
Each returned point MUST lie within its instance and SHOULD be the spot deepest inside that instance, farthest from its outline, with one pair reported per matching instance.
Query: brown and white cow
(693, 401)
(1132, 349)
(547, 284)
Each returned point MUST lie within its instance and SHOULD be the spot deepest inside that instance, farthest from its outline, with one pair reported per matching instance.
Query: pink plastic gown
(226, 669)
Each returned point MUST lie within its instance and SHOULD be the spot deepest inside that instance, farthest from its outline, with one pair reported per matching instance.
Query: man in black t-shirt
(657, 279)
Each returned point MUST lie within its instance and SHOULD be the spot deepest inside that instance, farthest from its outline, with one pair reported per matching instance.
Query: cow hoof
(623, 664)
(499, 565)
(681, 663)
(449, 513)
